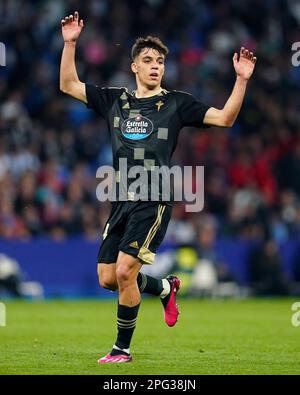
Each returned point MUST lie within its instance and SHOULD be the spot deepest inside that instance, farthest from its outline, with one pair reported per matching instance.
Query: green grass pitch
(211, 337)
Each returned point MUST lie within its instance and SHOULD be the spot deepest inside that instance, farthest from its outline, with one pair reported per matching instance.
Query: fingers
(235, 57)
(70, 19)
(247, 54)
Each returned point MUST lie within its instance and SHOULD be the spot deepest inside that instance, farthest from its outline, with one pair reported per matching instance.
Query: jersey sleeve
(191, 111)
(101, 99)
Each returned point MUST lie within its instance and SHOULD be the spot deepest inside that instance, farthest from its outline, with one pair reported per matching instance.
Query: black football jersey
(144, 132)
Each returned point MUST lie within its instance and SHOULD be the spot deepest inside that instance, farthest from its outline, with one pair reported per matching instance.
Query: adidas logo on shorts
(134, 244)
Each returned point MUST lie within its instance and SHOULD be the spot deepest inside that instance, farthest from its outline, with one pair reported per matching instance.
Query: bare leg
(107, 276)
(127, 269)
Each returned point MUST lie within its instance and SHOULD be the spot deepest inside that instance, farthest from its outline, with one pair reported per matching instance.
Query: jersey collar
(161, 93)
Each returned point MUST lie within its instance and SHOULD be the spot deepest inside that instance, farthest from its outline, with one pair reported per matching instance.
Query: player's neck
(143, 92)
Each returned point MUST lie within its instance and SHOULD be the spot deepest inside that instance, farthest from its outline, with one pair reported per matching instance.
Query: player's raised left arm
(244, 65)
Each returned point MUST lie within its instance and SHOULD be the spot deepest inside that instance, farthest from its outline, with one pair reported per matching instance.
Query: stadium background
(51, 145)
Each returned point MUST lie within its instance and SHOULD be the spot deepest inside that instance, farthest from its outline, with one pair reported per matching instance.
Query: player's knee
(123, 274)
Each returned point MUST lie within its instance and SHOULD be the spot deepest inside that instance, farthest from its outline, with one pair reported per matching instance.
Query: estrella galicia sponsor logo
(137, 128)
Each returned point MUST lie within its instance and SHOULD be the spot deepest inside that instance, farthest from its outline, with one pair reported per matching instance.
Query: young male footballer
(144, 126)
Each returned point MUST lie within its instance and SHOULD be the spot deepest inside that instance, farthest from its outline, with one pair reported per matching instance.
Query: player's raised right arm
(70, 84)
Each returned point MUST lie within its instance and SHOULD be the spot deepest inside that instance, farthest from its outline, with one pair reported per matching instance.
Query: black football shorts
(136, 228)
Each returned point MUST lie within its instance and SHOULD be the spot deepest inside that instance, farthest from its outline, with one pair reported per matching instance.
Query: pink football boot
(171, 311)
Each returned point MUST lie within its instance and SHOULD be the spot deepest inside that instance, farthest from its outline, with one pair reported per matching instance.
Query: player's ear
(134, 67)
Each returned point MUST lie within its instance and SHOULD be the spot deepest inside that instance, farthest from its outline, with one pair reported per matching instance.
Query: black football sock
(126, 321)
(149, 284)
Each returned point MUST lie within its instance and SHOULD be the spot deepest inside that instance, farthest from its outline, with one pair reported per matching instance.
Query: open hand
(244, 66)
(71, 27)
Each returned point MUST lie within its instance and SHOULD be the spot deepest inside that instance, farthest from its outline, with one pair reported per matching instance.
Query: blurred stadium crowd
(51, 145)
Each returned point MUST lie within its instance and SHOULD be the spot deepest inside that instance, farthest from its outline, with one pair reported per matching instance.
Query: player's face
(149, 67)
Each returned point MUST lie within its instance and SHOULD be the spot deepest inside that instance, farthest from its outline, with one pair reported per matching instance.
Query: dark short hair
(148, 42)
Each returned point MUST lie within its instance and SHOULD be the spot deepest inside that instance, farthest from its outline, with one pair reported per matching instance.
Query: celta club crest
(159, 104)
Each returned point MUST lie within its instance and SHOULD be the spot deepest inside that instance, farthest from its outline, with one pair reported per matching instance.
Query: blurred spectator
(201, 271)
(12, 282)
(210, 272)
(10, 276)
(266, 275)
